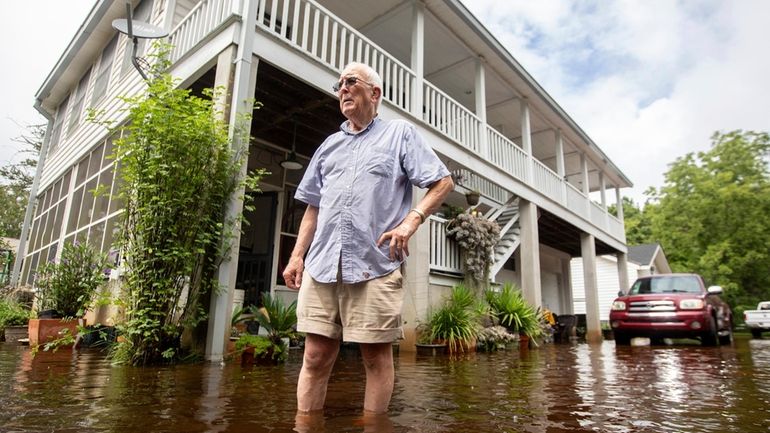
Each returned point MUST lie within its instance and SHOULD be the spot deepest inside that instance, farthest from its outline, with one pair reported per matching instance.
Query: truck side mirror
(621, 293)
(714, 290)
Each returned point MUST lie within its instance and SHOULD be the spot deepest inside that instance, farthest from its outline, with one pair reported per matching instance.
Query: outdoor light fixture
(291, 162)
(135, 30)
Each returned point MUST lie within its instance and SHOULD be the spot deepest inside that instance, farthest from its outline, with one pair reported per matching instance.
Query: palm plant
(276, 318)
(509, 307)
(457, 321)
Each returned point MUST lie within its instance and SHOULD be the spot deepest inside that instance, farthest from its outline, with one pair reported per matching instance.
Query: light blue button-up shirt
(362, 185)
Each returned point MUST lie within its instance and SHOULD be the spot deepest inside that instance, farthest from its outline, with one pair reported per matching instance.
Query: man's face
(357, 100)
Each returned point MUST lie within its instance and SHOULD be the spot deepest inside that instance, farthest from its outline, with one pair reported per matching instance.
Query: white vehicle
(758, 320)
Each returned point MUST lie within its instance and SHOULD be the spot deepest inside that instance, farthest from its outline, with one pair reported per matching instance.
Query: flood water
(555, 388)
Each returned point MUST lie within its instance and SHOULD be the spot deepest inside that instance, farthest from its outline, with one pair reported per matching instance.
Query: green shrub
(12, 314)
(262, 347)
(276, 318)
(509, 307)
(69, 287)
(457, 321)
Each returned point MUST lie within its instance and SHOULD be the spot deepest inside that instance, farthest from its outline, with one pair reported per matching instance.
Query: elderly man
(358, 188)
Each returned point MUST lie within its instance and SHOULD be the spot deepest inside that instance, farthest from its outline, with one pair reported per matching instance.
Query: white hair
(370, 75)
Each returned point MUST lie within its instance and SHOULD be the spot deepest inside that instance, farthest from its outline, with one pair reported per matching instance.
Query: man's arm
(400, 235)
(292, 274)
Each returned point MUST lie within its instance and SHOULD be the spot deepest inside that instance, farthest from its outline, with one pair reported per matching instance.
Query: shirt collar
(346, 128)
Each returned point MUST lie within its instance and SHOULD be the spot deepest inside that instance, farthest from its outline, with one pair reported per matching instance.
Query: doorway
(255, 257)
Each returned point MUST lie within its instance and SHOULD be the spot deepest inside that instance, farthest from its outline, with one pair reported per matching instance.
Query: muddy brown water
(556, 388)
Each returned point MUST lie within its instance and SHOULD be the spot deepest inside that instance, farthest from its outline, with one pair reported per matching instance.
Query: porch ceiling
(563, 236)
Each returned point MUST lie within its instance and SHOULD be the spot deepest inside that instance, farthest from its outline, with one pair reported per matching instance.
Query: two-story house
(482, 113)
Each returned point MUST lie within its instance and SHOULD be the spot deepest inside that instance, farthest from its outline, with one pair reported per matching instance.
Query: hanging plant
(477, 237)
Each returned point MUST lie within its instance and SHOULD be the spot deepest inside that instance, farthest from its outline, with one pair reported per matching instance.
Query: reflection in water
(556, 388)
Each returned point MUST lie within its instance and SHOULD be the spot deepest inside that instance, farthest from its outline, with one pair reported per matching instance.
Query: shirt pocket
(380, 164)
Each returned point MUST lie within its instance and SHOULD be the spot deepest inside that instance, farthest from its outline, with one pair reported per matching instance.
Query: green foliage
(179, 168)
(512, 311)
(636, 221)
(457, 321)
(263, 347)
(69, 287)
(276, 318)
(15, 181)
(711, 215)
(12, 314)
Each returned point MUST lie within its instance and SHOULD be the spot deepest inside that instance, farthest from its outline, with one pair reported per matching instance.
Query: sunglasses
(348, 82)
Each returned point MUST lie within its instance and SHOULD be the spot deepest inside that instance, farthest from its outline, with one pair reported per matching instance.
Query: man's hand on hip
(399, 237)
(292, 274)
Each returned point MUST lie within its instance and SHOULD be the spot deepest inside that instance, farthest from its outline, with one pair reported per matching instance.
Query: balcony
(309, 28)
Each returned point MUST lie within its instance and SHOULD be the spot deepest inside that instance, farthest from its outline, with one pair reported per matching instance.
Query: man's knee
(320, 352)
(377, 355)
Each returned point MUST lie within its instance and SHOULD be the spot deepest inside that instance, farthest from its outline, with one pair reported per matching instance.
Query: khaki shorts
(365, 312)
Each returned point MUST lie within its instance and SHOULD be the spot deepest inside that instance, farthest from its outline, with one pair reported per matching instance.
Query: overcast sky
(648, 80)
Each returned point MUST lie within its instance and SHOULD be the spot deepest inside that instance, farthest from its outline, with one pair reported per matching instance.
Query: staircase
(507, 217)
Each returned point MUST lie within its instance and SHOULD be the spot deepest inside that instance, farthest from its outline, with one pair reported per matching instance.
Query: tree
(16, 180)
(711, 214)
(636, 222)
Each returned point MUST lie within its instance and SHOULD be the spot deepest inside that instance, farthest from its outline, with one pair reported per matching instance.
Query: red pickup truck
(672, 306)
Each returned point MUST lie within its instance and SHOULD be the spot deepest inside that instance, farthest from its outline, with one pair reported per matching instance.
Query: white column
(586, 187)
(530, 252)
(242, 68)
(417, 300)
(418, 57)
(622, 271)
(603, 189)
(619, 203)
(560, 170)
(481, 107)
(566, 278)
(588, 253)
(526, 136)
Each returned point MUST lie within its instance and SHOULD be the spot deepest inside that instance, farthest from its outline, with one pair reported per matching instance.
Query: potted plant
(278, 320)
(494, 338)
(457, 322)
(472, 197)
(13, 320)
(477, 237)
(509, 307)
(65, 291)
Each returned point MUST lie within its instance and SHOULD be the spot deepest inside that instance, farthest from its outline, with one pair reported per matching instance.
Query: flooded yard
(555, 388)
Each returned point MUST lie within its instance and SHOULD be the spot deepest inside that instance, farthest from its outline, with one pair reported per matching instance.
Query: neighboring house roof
(642, 254)
(649, 255)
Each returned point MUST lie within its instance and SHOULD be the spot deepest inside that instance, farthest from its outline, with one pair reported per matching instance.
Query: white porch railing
(489, 189)
(598, 214)
(547, 181)
(616, 227)
(452, 119)
(576, 201)
(314, 30)
(444, 253)
(505, 154)
(201, 21)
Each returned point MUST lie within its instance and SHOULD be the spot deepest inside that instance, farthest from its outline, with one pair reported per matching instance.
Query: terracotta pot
(472, 198)
(523, 342)
(431, 349)
(42, 331)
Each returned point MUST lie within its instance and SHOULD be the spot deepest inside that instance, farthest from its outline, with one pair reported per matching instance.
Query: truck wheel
(621, 339)
(756, 333)
(727, 340)
(710, 337)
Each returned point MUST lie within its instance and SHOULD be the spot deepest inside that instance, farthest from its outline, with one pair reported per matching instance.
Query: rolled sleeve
(420, 162)
(309, 189)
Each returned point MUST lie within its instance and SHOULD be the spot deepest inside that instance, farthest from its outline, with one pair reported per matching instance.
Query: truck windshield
(672, 284)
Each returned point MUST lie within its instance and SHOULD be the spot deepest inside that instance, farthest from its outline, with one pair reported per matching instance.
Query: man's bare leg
(319, 357)
(378, 362)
